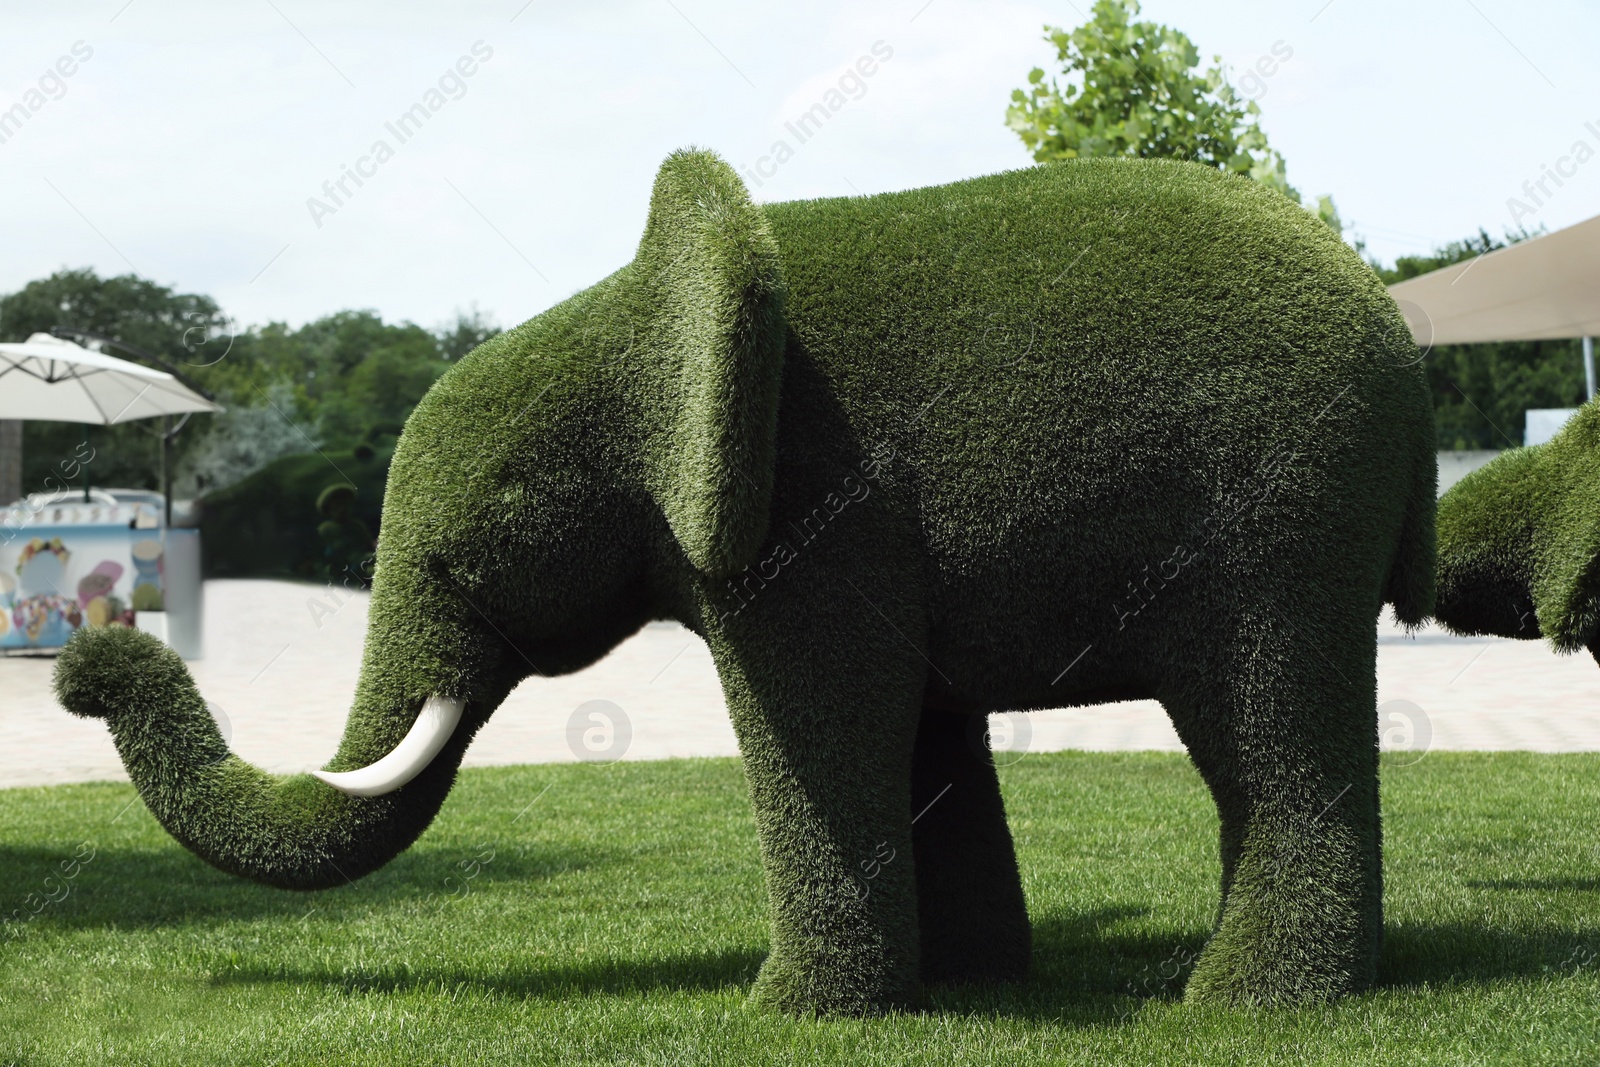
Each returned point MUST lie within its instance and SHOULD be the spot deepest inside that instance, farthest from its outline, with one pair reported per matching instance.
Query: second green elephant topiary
(1519, 542)
(1079, 433)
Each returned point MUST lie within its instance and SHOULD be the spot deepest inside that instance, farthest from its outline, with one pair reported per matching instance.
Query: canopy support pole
(1588, 364)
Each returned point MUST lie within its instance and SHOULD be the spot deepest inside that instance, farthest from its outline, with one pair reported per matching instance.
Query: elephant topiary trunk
(1093, 431)
(294, 832)
(291, 832)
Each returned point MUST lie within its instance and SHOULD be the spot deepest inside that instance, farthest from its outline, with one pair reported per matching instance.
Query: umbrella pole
(166, 468)
(87, 451)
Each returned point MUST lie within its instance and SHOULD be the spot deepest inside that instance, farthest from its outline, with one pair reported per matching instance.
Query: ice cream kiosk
(83, 556)
(110, 560)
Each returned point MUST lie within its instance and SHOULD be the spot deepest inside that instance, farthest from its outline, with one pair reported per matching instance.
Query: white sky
(186, 147)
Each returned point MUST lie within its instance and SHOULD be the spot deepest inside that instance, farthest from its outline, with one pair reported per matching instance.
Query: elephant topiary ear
(709, 267)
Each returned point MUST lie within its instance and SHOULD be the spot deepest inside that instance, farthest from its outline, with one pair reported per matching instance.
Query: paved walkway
(282, 659)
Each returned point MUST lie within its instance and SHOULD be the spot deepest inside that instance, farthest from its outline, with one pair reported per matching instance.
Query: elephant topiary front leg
(826, 738)
(971, 912)
(832, 814)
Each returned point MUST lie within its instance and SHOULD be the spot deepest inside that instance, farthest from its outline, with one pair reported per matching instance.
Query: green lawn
(621, 918)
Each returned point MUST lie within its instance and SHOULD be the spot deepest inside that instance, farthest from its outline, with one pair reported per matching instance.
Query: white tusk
(434, 725)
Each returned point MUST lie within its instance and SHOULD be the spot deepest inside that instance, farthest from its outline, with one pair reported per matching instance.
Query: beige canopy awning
(1541, 289)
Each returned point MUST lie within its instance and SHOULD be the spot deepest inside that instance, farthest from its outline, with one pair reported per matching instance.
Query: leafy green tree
(176, 326)
(398, 366)
(241, 441)
(469, 330)
(351, 372)
(1135, 89)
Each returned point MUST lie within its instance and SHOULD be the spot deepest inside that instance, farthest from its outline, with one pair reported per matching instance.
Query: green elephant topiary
(1078, 433)
(1519, 542)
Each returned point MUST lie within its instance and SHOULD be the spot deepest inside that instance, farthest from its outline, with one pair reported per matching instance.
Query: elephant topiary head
(1519, 542)
(538, 493)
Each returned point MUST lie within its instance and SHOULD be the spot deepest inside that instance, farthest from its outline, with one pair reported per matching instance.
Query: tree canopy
(1131, 88)
(331, 383)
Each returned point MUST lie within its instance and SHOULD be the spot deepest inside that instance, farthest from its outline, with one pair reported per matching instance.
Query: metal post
(166, 468)
(1588, 364)
(86, 466)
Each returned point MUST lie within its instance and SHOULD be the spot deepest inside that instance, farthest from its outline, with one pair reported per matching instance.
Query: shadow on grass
(1082, 975)
(143, 888)
(1548, 885)
(1472, 954)
(1085, 972)
(694, 972)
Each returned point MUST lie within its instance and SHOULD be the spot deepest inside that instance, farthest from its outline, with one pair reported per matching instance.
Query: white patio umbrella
(48, 378)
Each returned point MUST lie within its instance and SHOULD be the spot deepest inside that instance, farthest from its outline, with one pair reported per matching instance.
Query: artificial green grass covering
(565, 914)
(1076, 433)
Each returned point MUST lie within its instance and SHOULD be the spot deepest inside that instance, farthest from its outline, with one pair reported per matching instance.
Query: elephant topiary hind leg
(1284, 732)
(971, 914)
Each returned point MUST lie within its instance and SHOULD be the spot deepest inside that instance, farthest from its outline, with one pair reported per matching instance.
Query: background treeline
(329, 384)
(308, 408)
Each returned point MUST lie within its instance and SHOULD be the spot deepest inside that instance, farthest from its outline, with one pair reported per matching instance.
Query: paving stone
(282, 660)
